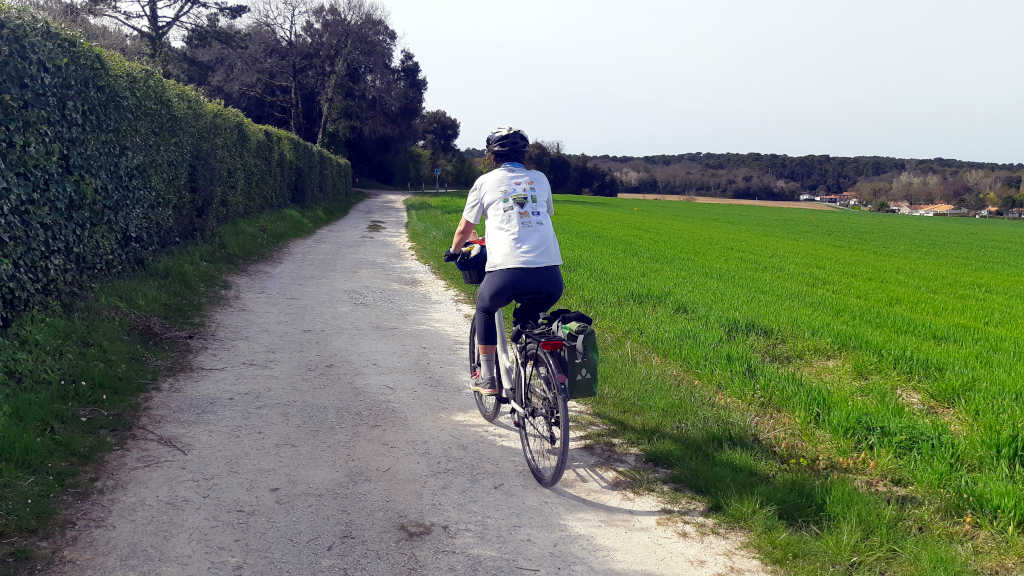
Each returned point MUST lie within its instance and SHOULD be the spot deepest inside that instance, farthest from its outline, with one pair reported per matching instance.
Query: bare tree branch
(156, 20)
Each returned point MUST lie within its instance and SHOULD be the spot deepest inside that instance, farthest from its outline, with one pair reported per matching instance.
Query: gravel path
(329, 429)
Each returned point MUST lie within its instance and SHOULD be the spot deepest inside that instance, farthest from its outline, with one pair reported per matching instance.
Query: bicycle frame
(509, 373)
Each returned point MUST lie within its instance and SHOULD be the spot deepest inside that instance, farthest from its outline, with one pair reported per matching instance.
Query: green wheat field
(848, 387)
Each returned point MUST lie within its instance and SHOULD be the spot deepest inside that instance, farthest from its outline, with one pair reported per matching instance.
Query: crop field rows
(848, 386)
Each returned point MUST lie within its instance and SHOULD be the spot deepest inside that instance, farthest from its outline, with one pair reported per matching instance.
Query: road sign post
(437, 179)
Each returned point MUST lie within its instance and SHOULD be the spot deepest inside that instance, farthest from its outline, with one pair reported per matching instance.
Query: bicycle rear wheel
(544, 428)
(489, 406)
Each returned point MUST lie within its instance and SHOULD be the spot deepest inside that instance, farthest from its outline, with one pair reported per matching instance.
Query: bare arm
(464, 233)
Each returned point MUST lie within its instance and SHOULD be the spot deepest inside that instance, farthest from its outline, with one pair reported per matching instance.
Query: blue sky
(902, 78)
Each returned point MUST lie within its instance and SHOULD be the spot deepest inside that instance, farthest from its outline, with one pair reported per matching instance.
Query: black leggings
(536, 290)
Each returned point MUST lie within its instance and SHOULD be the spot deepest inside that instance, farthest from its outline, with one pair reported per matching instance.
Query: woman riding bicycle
(523, 258)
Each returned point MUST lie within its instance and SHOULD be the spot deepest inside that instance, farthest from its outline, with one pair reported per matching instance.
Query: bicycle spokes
(545, 428)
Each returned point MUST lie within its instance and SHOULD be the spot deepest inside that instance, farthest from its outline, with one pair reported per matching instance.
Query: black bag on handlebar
(475, 276)
(472, 267)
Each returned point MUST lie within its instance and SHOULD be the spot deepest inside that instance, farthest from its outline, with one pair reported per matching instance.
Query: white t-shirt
(518, 206)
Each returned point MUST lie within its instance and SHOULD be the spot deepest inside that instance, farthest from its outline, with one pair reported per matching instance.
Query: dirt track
(714, 200)
(327, 428)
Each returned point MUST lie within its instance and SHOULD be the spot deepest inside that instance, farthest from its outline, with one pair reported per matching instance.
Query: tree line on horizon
(567, 173)
(877, 181)
(874, 179)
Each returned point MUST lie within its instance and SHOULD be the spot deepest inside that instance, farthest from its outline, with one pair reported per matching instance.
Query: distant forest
(874, 179)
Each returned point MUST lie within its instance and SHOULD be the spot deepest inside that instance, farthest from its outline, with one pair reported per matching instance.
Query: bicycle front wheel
(544, 427)
(489, 406)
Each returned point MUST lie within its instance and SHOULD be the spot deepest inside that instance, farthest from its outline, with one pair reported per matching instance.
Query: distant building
(844, 199)
(849, 199)
(937, 210)
(900, 207)
(810, 198)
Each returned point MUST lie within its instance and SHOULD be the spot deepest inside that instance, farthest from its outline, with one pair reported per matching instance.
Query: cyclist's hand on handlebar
(450, 256)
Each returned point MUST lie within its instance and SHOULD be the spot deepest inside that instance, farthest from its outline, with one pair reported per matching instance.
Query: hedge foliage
(103, 163)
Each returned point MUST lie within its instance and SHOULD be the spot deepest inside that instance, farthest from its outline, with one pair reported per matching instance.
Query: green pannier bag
(581, 357)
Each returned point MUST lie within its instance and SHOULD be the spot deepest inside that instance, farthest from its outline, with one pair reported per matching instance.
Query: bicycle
(532, 381)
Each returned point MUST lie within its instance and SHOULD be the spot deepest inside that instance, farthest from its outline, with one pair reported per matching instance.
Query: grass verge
(740, 391)
(71, 375)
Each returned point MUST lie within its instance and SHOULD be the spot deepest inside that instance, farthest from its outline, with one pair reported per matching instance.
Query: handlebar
(450, 256)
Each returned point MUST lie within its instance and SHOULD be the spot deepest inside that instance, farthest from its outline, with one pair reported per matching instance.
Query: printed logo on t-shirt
(523, 231)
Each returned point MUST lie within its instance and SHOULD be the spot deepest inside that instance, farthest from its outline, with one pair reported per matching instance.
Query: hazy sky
(896, 78)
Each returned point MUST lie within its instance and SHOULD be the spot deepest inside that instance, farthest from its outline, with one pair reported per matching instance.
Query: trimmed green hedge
(103, 163)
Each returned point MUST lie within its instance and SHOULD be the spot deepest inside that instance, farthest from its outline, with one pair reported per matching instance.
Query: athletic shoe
(485, 386)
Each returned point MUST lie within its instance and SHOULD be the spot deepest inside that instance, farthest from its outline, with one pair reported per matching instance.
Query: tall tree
(439, 131)
(76, 16)
(352, 45)
(330, 73)
(285, 18)
(364, 104)
(155, 20)
(411, 88)
(245, 67)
